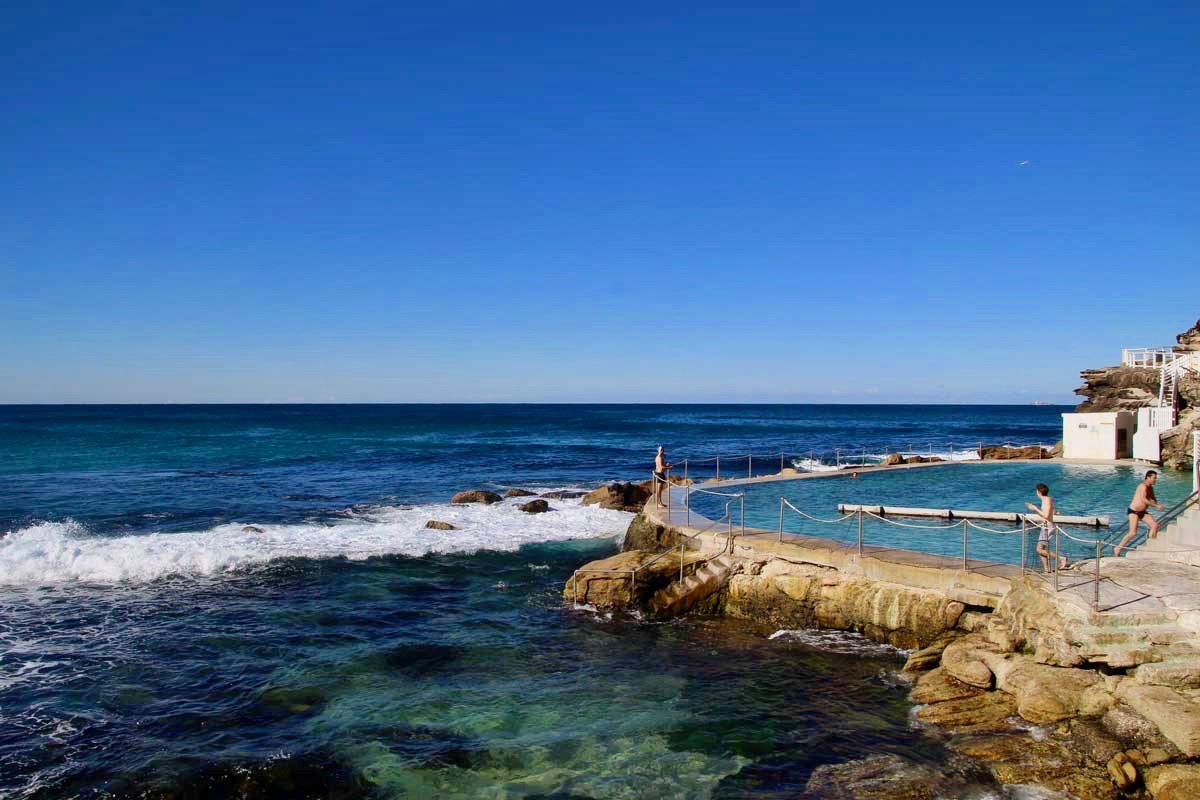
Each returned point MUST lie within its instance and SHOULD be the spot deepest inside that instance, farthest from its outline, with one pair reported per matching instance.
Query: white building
(1100, 434)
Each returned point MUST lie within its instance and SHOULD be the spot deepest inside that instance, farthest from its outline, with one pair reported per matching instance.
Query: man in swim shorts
(660, 473)
(1143, 498)
(1045, 514)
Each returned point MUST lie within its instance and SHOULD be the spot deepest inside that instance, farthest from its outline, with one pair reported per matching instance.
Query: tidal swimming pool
(1078, 489)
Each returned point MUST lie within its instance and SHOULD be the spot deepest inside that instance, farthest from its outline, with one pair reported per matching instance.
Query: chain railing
(740, 466)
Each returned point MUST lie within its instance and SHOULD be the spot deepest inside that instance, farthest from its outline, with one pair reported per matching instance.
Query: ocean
(243, 601)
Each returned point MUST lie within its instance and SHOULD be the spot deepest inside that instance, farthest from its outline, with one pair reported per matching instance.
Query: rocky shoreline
(1024, 690)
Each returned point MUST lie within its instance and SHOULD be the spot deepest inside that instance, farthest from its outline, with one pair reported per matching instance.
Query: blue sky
(810, 202)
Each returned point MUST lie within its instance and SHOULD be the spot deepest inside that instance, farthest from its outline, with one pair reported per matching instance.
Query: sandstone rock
(1096, 700)
(1045, 694)
(1002, 453)
(538, 506)
(962, 660)
(973, 621)
(606, 583)
(937, 686)
(251, 529)
(438, 525)
(1173, 674)
(985, 712)
(1097, 743)
(618, 496)
(1134, 730)
(1117, 388)
(1059, 765)
(930, 656)
(1123, 773)
(1173, 713)
(796, 596)
(893, 459)
(1174, 781)
(476, 496)
(519, 493)
(646, 534)
(565, 494)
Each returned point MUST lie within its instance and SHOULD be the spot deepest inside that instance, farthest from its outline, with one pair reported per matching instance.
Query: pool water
(1078, 489)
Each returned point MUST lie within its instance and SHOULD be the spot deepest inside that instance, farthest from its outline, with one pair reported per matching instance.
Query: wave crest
(50, 553)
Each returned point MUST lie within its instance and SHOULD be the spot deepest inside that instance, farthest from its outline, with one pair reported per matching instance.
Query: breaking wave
(50, 553)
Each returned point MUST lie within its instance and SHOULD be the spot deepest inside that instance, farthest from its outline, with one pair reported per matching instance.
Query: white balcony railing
(1150, 357)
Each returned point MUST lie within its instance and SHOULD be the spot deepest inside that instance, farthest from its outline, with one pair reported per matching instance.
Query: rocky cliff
(1130, 388)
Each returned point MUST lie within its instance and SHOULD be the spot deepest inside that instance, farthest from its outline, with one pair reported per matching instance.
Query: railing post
(1096, 596)
(743, 515)
(1023, 543)
(750, 466)
(781, 519)
(668, 482)
(810, 461)
(781, 463)
(966, 568)
(860, 524)
(685, 473)
(687, 501)
(837, 458)
(1057, 539)
(681, 545)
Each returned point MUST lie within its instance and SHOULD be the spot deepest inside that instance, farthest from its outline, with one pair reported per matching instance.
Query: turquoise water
(1078, 489)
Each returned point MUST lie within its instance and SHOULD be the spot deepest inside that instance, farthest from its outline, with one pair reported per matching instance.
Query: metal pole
(687, 501)
(1023, 524)
(837, 457)
(668, 474)
(681, 562)
(966, 568)
(1057, 537)
(743, 515)
(781, 519)
(860, 516)
(781, 463)
(750, 466)
(685, 470)
(810, 461)
(1096, 597)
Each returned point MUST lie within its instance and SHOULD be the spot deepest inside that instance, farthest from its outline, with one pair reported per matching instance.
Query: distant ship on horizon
(1041, 403)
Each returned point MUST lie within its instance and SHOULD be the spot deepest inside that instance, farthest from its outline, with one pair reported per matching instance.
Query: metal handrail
(1167, 518)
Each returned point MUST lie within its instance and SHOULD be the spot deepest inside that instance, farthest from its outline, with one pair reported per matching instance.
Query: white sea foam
(838, 642)
(65, 552)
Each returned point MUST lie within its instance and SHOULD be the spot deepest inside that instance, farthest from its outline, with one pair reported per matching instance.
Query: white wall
(1097, 435)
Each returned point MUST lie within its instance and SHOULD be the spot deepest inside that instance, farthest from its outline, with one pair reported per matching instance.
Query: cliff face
(1130, 388)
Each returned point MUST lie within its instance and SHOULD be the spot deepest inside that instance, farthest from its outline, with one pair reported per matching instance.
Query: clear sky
(494, 201)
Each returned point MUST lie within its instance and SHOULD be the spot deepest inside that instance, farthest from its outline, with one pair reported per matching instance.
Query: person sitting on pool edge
(1046, 513)
(1139, 508)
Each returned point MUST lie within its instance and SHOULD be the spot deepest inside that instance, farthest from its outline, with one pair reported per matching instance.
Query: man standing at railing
(660, 475)
(1139, 509)
(1046, 513)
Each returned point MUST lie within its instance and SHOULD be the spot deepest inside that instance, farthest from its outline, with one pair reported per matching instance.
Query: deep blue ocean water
(243, 601)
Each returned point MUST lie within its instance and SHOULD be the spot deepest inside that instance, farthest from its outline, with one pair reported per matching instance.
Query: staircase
(680, 596)
(1179, 541)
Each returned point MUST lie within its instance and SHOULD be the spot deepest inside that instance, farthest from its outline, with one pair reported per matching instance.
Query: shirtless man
(1046, 513)
(1143, 499)
(660, 472)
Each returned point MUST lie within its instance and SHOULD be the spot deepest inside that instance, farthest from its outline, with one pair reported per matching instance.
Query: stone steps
(681, 596)
(1178, 542)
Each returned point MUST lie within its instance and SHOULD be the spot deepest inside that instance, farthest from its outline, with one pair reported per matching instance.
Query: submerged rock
(536, 507)
(989, 711)
(251, 529)
(438, 525)
(476, 496)
(520, 493)
(890, 777)
(1174, 781)
(565, 494)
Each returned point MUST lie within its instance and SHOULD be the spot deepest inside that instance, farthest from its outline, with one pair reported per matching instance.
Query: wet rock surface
(538, 506)
(619, 496)
(476, 496)
(438, 525)
(890, 777)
